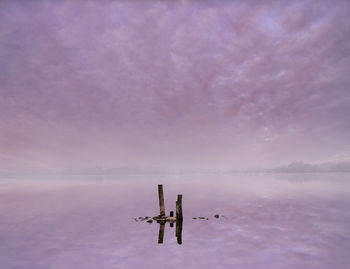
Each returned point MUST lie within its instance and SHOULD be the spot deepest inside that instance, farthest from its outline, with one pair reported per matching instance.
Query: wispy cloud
(224, 83)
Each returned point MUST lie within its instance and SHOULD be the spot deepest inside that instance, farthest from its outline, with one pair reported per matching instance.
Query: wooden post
(161, 200)
(179, 207)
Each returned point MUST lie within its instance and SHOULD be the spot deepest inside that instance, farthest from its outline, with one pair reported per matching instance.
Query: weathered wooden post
(161, 200)
(162, 219)
(179, 207)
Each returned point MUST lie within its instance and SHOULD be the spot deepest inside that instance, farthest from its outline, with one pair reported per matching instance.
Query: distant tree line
(301, 167)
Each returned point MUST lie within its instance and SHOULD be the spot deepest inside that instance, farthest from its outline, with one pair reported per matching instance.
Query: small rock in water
(140, 217)
(216, 216)
(194, 218)
(201, 217)
(146, 217)
(149, 221)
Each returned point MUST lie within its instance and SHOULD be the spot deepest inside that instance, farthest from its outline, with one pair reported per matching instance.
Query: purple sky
(173, 83)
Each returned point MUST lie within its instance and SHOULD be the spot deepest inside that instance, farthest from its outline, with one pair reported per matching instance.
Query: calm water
(270, 221)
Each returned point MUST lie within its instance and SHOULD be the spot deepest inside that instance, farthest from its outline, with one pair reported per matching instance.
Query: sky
(178, 84)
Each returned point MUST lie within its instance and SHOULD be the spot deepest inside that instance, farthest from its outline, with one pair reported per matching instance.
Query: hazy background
(200, 84)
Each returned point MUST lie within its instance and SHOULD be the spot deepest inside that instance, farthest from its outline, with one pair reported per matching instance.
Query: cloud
(183, 82)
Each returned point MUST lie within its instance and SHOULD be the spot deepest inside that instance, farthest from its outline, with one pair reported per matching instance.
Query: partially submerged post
(161, 200)
(162, 219)
(179, 207)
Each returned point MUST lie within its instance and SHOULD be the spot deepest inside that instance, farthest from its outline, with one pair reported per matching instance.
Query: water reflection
(161, 232)
(268, 223)
(178, 230)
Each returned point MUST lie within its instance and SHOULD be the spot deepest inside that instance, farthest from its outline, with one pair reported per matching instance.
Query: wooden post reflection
(161, 232)
(171, 215)
(179, 231)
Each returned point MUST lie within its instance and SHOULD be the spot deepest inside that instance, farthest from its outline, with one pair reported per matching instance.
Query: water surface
(270, 221)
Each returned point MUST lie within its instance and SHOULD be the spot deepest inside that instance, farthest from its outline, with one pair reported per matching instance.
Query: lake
(265, 221)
